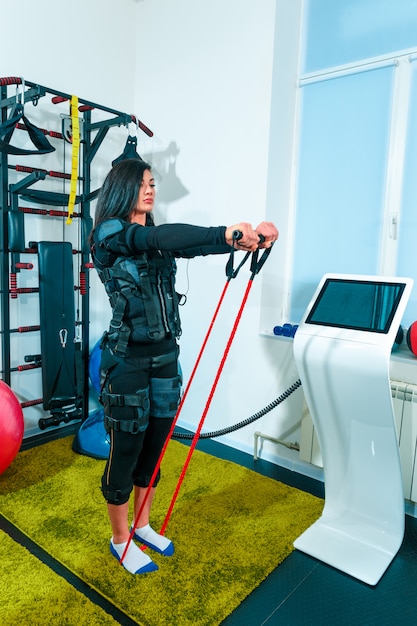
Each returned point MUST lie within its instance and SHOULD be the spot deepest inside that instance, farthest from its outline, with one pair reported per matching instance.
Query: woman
(140, 384)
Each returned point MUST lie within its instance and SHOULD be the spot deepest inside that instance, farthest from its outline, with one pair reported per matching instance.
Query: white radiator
(404, 398)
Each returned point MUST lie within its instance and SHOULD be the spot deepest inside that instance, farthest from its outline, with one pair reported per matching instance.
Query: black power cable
(247, 421)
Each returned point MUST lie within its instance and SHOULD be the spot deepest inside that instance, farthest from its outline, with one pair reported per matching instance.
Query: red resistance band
(255, 268)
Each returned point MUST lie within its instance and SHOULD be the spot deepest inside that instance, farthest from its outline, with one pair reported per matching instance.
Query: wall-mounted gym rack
(64, 324)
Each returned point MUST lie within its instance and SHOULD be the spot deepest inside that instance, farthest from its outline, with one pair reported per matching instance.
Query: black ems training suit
(139, 359)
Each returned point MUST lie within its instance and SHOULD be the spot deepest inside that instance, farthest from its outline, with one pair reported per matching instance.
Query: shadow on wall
(170, 188)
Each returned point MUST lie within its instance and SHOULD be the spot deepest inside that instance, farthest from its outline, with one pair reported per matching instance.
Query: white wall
(205, 80)
(201, 76)
(84, 47)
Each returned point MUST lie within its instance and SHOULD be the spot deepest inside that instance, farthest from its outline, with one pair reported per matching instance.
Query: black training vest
(141, 292)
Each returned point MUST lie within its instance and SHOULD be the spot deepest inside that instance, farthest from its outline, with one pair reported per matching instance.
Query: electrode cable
(249, 420)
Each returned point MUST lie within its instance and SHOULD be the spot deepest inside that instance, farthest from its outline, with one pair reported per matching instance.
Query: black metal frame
(93, 136)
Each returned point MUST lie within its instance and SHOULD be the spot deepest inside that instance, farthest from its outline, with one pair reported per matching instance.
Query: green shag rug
(30, 593)
(231, 527)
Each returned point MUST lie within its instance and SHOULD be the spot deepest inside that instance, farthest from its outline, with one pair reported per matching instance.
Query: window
(355, 175)
(345, 32)
(407, 228)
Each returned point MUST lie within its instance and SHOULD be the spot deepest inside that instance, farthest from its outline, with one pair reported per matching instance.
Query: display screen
(357, 305)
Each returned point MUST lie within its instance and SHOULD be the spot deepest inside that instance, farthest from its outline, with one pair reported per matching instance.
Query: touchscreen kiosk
(342, 350)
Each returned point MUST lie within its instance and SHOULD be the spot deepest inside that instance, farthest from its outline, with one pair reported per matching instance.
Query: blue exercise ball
(94, 366)
(92, 439)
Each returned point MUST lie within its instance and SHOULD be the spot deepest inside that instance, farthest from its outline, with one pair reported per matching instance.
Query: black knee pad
(114, 496)
(127, 412)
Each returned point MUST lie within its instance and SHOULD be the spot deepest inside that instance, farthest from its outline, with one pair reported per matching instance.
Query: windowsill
(404, 356)
(268, 335)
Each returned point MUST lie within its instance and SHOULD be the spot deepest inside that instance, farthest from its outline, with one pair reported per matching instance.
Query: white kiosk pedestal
(342, 350)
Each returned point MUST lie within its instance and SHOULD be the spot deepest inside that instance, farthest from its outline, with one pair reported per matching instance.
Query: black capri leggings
(134, 455)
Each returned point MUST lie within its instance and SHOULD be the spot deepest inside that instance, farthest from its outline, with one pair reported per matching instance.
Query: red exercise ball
(412, 338)
(11, 426)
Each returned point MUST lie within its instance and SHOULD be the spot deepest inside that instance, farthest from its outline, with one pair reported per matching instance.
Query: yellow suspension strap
(75, 123)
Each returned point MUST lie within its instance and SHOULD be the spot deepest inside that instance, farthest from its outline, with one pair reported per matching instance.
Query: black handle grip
(237, 234)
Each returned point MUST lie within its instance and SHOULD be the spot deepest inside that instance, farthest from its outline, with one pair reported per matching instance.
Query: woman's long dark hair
(119, 193)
